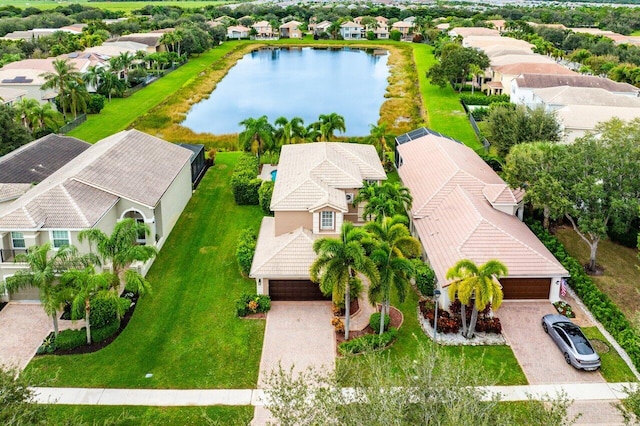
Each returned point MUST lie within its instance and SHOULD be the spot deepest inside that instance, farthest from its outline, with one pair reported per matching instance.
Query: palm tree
(312, 132)
(44, 116)
(386, 200)
(329, 123)
(121, 249)
(63, 74)
(257, 135)
(43, 274)
(379, 135)
(111, 84)
(24, 109)
(338, 263)
(125, 59)
(289, 131)
(77, 97)
(94, 76)
(394, 245)
(479, 283)
(85, 284)
(475, 72)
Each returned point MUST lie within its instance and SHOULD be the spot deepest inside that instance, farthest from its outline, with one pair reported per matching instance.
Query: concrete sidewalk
(255, 397)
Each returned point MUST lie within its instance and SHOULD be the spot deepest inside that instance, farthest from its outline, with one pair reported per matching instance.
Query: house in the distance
(463, 210)
(127, 175)
(237, 32)
(313, 195)
(351, 31)
(291, 29)
(263, 30)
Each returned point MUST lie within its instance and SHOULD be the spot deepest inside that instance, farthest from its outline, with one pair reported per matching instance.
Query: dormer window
(327, 220)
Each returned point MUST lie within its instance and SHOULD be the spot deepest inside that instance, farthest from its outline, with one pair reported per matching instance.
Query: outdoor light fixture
(436, 296)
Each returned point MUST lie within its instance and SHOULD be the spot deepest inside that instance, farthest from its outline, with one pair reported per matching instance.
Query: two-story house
(127, 175)
(291, 29)
(313, 195)
(263, 30)
(351, 31)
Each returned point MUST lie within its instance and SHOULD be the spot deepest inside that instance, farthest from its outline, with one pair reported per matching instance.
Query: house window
(60, 238)
(326, 220)
(142, 234)
(17, 240)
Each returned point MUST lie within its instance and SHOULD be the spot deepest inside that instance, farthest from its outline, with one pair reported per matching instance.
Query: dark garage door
(295, 290)
(525, 288)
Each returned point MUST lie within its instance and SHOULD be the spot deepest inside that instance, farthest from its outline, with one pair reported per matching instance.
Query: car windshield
(581, 344)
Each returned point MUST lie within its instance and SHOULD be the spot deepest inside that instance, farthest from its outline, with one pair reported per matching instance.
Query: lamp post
(436, 296)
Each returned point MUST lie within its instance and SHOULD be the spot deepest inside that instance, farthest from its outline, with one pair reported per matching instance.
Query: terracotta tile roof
(538, 81)
(291, 25)
(482, 42)
(313, 173)
(288, 255)
(534, 68)
(452, 212)
(532, 58)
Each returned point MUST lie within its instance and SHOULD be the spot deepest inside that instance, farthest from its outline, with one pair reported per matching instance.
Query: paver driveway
(540, 359)
(23, 326)
(298, 334)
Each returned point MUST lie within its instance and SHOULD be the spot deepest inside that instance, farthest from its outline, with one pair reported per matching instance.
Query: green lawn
(613, 369)
(185, 333)
(125, 6)
(166, 416)
(444, 111)
(120, 113)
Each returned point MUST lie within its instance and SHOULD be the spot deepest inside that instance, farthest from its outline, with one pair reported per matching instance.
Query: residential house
(291, 29)
(263, 30)
(473, 32)
(577, 120)
(320, 28)
(499, 25)
(199, 164)
(520, 58)
(237, 32)
(151, 39)
(405, 28)
(351, 31)
(522, 87)
(111, 49)
(9, 96)
(312, 197)
(462, 209)
(36, 33)
(554, 98)
(127, 175)
(484, 42)
(501, 76)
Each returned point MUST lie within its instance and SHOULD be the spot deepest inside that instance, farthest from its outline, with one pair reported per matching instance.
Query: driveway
(540, 359)
(298, 334)
(23, 326)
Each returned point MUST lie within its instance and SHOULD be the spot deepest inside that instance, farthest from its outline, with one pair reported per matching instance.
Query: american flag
(563, 287)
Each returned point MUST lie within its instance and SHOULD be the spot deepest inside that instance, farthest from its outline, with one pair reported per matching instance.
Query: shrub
(252, 303)
(425, 277)
(368, 342)
(395, 35)
(245, 182)
(337, 324)
(374, 322)
(48, 345)
(103, 312)
(71, 339)
(245, 250)
(481, 99)
(264, 195)
(100, 334)
(96, 104)
(564, 308)
(480, 114)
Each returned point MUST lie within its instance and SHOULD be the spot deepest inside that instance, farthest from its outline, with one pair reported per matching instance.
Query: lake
(296, 82)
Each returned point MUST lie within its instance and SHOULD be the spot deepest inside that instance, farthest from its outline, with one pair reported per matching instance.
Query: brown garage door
(295, 290)
(525, 288)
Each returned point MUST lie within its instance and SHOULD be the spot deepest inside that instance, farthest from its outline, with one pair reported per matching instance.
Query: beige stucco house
(291, 29)
(263, 30)
(127, 175)
(313, 193)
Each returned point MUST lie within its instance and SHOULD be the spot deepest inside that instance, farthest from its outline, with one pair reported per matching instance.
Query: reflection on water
(296, 82)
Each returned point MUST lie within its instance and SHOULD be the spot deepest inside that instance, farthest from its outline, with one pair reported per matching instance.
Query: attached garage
(295, 290)
(526, 288)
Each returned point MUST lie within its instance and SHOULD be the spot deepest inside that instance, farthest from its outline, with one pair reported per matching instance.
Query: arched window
(138, 217)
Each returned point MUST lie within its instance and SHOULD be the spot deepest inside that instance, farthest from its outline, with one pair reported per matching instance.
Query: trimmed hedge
(245, 182)
(368, 342)
(252, 304)
(71, 339)
(425, 277)
(264, 195)
(481, 99)
(600, 305)
(374, 322)
(245, 250)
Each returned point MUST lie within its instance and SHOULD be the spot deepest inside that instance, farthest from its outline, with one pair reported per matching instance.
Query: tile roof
(482, 42)
(567, 95)
(474, 31)
(11, 191)
(151, 39)
(288, 255)
(291, 25)
(311, 174)
(532, 58)
(536, 81)
(37, 160)
(452, 213)
(9, 95)
(534, 68)
(586, 117)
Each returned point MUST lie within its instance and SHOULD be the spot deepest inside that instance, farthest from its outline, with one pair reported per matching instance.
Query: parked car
(574, 345)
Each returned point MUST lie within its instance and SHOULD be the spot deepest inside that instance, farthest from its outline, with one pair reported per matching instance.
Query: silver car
(574, 345)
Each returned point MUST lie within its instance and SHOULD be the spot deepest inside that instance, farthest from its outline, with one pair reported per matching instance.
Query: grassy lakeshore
(124, 6)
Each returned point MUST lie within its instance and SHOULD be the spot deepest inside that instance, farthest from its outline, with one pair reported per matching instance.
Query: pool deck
(265, 174)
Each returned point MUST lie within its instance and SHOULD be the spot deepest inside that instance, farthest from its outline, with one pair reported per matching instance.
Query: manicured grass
(134, 415)
(620, 278)
(120, 113)
(613, 369)
(186, 333)
(125, 6)
(444, 111)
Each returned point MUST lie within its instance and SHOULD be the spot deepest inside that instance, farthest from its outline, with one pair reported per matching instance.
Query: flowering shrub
(252, 303)
(337, 324)
(564, 308)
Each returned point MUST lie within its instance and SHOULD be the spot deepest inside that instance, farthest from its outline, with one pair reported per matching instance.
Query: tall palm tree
(476, 283)
(94, 76)
(329, 124)
(120, 248)
(77, 97)
(379, 134)
(63, 73)
(289, 131)
(475, 72)
(24, 109)
(44, 270)
(44, 116)
(125, 60)
(394, 245)
(257, 136)
(111, 85)
(84, 284)
(386, 200)
(312, 132)
(338, 263)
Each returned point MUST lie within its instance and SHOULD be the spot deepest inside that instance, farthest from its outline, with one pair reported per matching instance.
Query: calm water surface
(296, 82)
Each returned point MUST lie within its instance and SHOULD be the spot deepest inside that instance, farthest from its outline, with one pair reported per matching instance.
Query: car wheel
(567, 358)
(545, 328)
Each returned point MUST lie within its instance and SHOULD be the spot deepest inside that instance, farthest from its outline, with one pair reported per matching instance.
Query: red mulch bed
(354, 307)
(396, 322)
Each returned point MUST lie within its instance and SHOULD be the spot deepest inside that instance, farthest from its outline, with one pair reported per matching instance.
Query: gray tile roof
(538, 81)
(37, 160)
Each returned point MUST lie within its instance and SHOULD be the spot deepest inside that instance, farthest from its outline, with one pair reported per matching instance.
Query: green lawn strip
(92, 414)
(498, 360)
(120, 113)
(444, 111)
(186, 333)
(613, 369)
